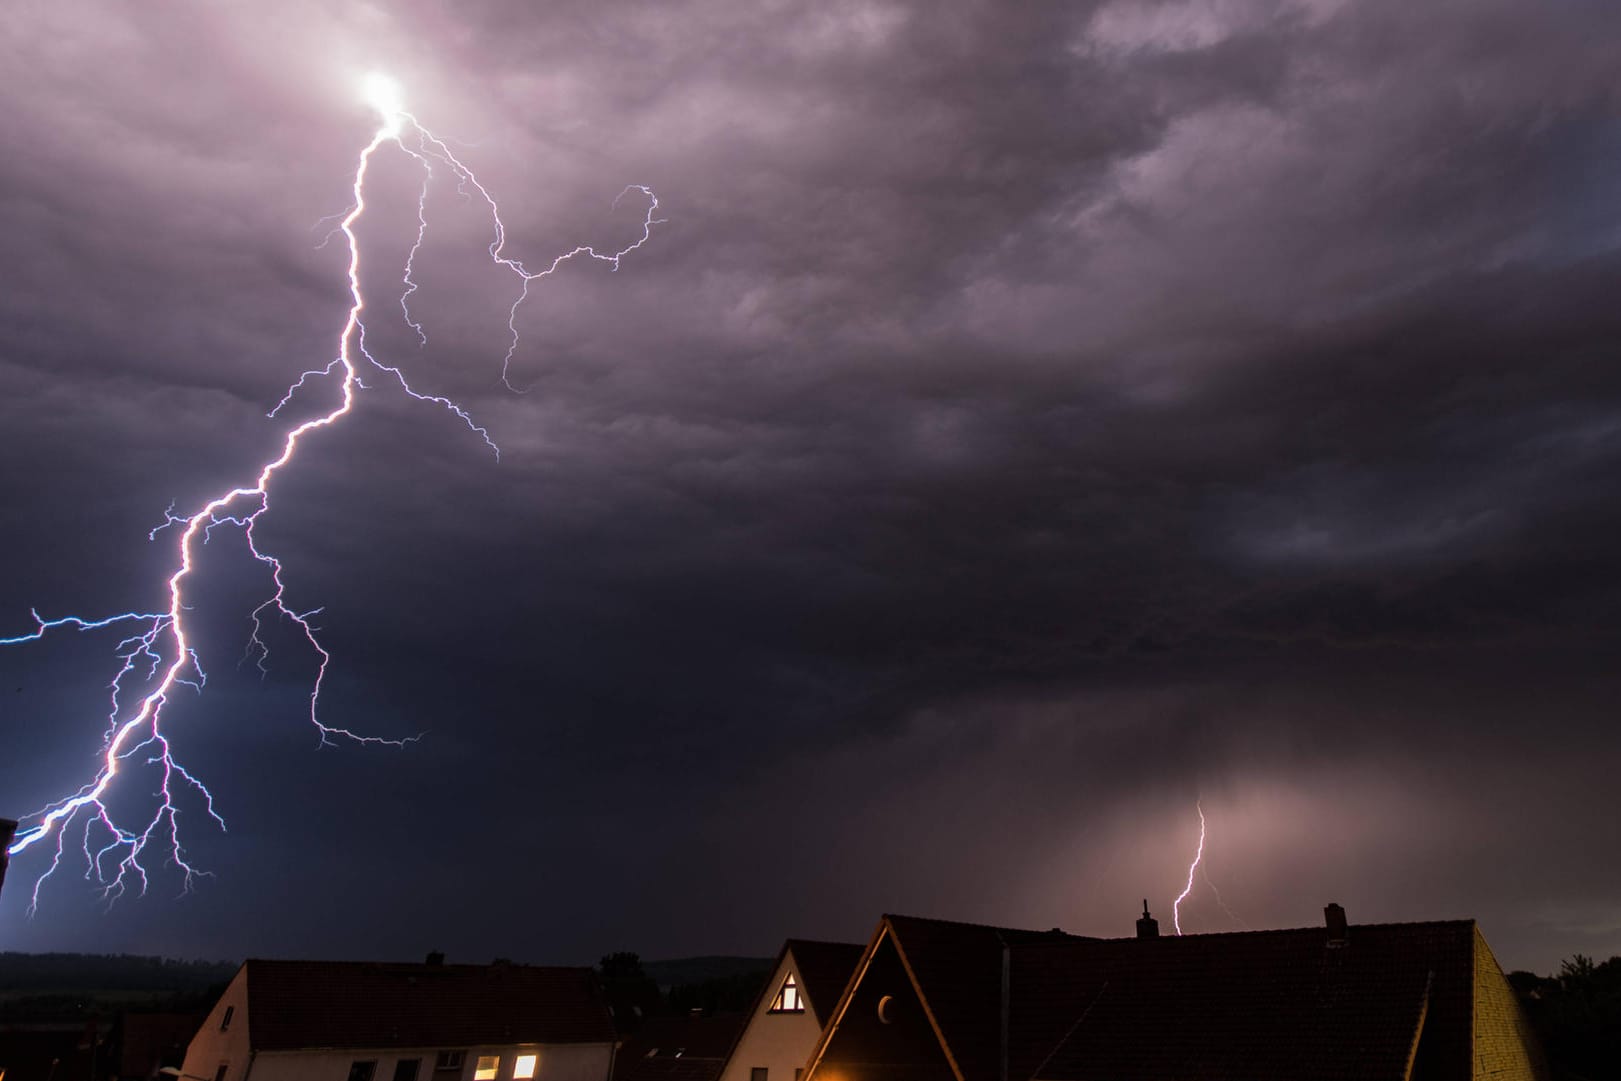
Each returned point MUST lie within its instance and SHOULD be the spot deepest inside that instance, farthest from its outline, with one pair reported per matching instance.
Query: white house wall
(211, 1048)
(558, 1062)
(781, 1042)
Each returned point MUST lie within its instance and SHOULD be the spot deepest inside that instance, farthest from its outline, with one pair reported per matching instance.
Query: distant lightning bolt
(1176, 918)
(157, 650)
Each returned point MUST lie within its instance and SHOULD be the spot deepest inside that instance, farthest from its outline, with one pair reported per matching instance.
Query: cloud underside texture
(1029, 421)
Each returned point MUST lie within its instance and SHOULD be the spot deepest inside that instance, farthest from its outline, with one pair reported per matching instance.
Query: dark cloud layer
(1032, 419)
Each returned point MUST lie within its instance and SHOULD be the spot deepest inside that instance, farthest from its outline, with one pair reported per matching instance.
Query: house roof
(824, 969)
(1254, 1005)
(678, 1049)
(1273, 1004)
(318, 1004)
(958, 969)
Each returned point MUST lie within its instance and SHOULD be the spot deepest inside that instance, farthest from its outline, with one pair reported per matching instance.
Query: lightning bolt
(157, 654)
(1176, 917)
(1235, 917)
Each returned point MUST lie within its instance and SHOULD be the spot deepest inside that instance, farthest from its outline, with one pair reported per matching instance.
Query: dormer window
(788, 1000)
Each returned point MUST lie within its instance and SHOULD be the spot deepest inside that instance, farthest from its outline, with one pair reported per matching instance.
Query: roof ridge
(1317, 928)
(462, 966)
(979, 926)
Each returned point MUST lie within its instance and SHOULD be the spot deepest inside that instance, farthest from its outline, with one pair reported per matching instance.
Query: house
(349, 1021)
(933, 1000)
(786, 1021)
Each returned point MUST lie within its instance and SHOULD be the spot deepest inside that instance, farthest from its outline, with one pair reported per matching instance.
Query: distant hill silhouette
(684, 971)
(67, 973)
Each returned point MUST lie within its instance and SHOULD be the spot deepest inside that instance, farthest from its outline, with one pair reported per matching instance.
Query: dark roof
(1273, 1004)
(1254, 1005)
(153, 1040)
(662, 1067)
(958, 968)
(310, 1004)
(824, 969)
(678, 1049)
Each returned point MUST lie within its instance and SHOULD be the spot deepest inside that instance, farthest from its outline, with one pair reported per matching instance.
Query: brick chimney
(1147, 926)
(435, 958)
(1334, 916)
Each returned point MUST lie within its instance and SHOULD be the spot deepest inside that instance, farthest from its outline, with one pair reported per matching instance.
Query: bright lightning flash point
(157, 655)
(1176, 918)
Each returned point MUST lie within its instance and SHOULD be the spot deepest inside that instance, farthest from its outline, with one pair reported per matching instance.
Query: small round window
(886, 1009)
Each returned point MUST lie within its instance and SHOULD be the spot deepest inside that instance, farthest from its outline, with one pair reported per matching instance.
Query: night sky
(1033, 420)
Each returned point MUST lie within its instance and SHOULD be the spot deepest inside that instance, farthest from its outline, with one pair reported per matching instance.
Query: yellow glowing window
(525, 1066)
(487, 1067)
(788, 1000)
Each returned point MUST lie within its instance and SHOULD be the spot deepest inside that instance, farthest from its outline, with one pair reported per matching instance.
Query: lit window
(487, 1067)
(362, 1070)
(406, 1069)
(788, 1000)
(525, 1066)
(448, 1060)
(225, 1022)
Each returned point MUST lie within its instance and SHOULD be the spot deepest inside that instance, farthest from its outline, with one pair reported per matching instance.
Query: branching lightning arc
(157, 656)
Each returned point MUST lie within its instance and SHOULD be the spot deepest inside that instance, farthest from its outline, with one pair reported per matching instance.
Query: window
(219, 1074)
(406, 1069)
(799, 1071)
(788, 1000)
(758, 1073)
(225, 1021)
(488, 1066)
(448, 1060)
(524, 1068)
(360, 1070)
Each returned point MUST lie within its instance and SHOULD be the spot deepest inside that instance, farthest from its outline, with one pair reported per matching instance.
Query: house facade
(786, 1021)
(345, 1021)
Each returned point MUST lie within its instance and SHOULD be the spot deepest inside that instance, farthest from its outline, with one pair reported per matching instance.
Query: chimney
(8, 830)
(1147, 926)
(1334, 915)
(435, 958)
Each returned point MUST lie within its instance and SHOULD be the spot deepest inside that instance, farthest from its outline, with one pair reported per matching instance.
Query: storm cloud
(1030, 420)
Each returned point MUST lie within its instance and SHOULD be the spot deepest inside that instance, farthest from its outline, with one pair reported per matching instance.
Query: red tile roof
(339, 1004)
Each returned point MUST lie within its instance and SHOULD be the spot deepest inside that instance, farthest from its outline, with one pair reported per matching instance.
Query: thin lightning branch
(159, 655)
(431, 148)
(1204, 872)
(1176, 917)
